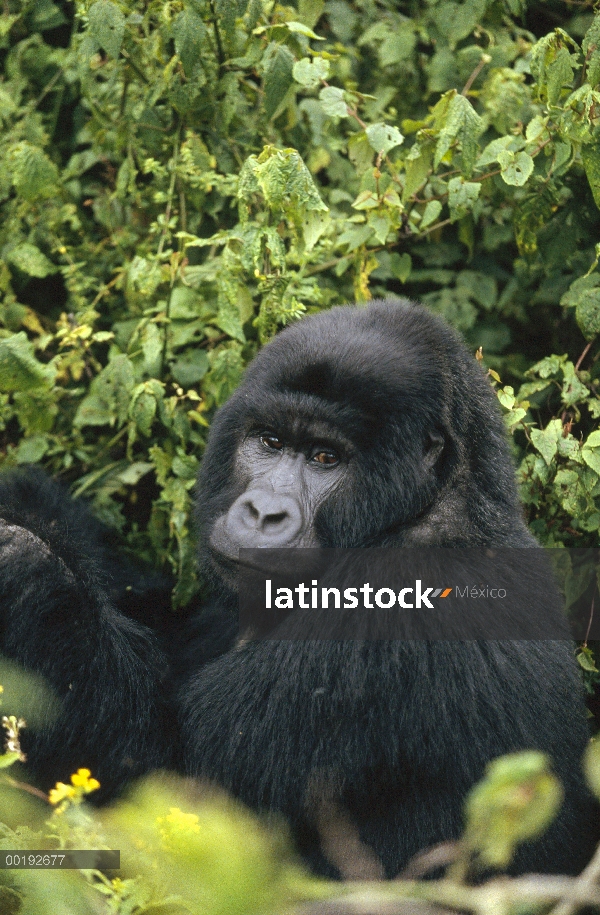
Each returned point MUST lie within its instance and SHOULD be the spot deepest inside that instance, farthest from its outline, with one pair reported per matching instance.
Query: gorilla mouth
(233, 568)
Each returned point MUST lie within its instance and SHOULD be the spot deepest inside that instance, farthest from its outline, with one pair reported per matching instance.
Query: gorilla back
(365, 427)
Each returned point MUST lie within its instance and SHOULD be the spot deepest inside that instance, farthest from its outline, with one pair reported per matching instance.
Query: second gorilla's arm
(57, 619)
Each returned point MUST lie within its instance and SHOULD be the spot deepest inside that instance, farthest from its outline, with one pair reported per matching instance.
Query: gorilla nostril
(274, 520)
(254, 512)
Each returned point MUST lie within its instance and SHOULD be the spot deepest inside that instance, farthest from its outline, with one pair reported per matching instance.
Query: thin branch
(586, 882)
(215, 22)
(48, 87)
(485, 59)
(23, 786)
(171, 191)
(438, 225)
(587, 634)
(583, 355)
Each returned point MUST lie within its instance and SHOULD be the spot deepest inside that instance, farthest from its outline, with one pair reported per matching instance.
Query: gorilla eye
(269, 440)
(326, 456)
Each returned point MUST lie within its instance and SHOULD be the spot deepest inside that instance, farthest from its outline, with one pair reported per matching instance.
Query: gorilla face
(286, 480)
(358, 427)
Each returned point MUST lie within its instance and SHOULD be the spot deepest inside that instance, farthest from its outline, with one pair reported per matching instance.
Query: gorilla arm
(57, 619)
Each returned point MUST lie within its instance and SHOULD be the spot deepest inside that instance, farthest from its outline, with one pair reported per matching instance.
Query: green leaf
(430, 213)
(143, 278)
(185, 304)
(34, 175)
(310, 11)
(546, 440)
(398, 46)
(584, 294)
(355, 236)
(228, 314)
(31, 450)
(548, 367)
(592, 459)
(383, 137)
(310, 73)
(418, 165)
(31, 260)
(457, 20)
(109, 396)
(591, 50)
(19, 368)
(517, 801)
(283, 179)
(590, 156)
(300, 29)
(591, 453)
(190, 368)
(401, 265)
(515, 168)
(506, 396)
(462, 124)
(93, 411)
(497, 146)
(142, 409)
(591, 759)
(107, 26)
(593, 440)
(185, 466)
(189, 32)
(225, 374)
(381, 223)
(135, 472)
(462, 196)
(278, 78)
(332, 102)
(6, 760)
(152, 340)
(552, 64)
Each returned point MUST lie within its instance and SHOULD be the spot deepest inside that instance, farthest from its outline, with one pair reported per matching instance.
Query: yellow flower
(175, 827)
(81, 779)
(177, 819)
(81, 784)
(60, 793)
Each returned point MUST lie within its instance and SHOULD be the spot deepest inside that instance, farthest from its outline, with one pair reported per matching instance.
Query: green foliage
(179, 180)
(516, 801)
(184, 852)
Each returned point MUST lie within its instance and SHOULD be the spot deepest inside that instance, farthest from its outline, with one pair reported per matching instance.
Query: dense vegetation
(180, 178)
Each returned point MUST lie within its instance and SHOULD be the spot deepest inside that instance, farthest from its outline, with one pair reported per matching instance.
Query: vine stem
(485, 59)
(165, 229)
(583, 355)
(215, 22)
(171, 192)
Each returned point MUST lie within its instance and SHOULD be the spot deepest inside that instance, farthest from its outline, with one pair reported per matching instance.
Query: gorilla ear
(434, 445)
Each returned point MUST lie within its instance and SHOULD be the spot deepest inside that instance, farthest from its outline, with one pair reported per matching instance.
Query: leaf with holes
(107, 26)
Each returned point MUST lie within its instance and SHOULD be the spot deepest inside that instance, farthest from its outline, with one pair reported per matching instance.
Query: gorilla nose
(264, 519)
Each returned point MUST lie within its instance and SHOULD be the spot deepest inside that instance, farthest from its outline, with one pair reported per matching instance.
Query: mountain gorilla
(357, 427)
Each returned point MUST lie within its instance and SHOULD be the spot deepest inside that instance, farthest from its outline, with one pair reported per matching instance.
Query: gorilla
(358, 427)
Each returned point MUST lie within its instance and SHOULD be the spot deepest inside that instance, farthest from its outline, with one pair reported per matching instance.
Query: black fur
(397, 731)
(394, 733)
(58, 617)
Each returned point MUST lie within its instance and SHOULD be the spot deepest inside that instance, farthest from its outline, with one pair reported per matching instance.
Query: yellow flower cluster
(177, 819)
(81, 784)
(175, 826)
